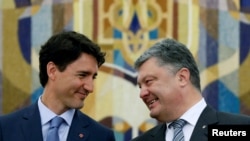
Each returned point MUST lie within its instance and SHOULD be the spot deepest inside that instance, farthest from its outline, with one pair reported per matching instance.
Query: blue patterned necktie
(53, 129)
(178, 133)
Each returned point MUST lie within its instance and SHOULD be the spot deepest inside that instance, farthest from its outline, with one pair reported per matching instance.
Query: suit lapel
(31, 124)
(159, 133)
(77, 131)
(207, 117)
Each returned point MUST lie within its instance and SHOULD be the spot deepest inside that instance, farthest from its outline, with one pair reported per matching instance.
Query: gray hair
(170, 52)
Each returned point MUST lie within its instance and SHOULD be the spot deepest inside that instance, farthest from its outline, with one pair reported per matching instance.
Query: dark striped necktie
(178, 133)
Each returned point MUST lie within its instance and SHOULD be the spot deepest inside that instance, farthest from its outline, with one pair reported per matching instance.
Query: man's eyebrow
(87, 72)
(145, 77)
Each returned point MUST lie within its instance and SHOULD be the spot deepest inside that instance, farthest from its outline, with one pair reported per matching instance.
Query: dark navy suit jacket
(25, 125)
(208, 117)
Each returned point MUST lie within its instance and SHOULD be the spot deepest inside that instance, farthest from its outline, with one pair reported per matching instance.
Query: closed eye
(149, 81)
(146, 82)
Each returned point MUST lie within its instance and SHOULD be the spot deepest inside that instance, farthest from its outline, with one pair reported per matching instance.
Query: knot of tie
(56, 122)
(178, 123)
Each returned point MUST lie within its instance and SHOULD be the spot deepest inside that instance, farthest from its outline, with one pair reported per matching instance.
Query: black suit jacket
(208, 117)
(25, 125)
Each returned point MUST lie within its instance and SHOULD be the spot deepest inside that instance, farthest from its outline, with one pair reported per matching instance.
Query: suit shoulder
(233, 118)
(158, 130)
(17, 114)
(15, 117)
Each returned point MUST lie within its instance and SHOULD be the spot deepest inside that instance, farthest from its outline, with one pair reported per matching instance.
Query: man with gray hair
(169, 82)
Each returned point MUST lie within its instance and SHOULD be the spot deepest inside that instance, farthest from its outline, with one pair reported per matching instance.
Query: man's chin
(78, 106)
(153, 114)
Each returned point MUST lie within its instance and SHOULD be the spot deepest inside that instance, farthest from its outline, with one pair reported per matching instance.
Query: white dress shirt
(46, 115)
(191, 116)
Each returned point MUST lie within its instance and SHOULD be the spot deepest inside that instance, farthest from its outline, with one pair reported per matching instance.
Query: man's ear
(51, 70)
(183, 76)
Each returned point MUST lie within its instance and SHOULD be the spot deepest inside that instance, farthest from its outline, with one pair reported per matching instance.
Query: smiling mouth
(152, 102)
(82, 95)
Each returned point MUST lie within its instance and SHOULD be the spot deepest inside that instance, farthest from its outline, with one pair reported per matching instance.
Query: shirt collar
(192, 115)
(46, 114)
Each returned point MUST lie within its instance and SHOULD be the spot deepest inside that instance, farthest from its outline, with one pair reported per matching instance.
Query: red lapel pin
(81, 135)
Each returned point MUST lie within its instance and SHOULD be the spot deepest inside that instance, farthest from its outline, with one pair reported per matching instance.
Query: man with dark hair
(69, 63)
(169, 83)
